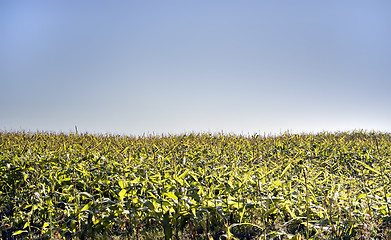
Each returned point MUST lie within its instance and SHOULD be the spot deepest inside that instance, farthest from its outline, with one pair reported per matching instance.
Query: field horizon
(193, 132)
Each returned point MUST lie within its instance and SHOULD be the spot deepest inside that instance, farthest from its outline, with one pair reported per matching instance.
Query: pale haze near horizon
(134, 67)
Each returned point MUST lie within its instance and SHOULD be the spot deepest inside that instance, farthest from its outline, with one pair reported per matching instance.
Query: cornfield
(195, 186)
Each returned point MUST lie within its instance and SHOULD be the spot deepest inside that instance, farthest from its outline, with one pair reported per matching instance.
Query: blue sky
(134, 67)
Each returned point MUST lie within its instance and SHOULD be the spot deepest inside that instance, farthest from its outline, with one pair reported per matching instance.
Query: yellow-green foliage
(195, 186)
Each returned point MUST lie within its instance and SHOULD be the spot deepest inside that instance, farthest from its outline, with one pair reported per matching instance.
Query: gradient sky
(134, 67)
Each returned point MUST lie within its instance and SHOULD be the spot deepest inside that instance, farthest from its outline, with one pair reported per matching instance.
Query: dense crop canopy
(195, 186)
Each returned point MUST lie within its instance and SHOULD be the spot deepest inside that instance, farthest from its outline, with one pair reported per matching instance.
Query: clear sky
(251, 66)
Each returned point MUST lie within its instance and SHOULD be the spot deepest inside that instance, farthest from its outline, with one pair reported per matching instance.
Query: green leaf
(87, 206)
(286, 169)
(184, 174)
(368, 167)
(122, 184)
(122, 194)
(65, 179)
(27, 224)
(19, 232)
(362, 195)
(171, 195)
(136, 180)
